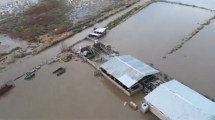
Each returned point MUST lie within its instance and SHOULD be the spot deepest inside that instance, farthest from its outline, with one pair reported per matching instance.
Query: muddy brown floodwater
(155, 30)
(195, 62)
(77, 94)
(203, 3)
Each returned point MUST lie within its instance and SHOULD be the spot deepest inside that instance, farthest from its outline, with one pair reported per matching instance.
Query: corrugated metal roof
(127, 69)
(178, 102)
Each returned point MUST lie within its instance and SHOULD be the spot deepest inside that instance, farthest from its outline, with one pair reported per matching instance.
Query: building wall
(158, 113)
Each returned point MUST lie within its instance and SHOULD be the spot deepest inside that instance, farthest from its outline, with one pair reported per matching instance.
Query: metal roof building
(127, 69)
(175, 101)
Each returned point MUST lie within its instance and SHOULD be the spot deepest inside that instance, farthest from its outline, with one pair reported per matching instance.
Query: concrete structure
(127, 73)
(175, 101)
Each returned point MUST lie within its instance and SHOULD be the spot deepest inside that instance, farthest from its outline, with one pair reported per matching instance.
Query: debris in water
(61, 72)
(133, 105)
(66, 57)
(29, 75)
(125, 103)
(57, 70)
(97, 73)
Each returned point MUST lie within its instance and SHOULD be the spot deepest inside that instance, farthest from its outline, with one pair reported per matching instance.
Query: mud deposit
(48, 16)
(152, 32)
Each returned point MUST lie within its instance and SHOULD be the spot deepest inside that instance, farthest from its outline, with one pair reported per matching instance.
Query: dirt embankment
(53, 17)
(49, 22)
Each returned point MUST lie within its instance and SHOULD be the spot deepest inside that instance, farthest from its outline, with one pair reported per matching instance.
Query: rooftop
(178, 102)
(127, 69)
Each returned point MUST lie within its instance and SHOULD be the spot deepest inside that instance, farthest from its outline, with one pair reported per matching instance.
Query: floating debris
(133, 105)
(125, 103)
(59, 71)
(29, 75)
(97, 73)
(66, 57)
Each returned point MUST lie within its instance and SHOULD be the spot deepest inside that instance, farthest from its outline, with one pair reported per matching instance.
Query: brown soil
(37, 10)
(44, 17)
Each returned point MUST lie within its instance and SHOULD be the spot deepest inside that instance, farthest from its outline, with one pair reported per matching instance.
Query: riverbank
(46, 38)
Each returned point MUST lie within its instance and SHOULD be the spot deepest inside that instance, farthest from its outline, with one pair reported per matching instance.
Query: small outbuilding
(175, 101)
(127, 73)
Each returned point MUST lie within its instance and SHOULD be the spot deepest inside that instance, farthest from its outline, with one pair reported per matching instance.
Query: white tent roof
(178, 102)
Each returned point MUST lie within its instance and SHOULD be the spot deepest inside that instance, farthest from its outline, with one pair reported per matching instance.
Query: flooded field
(148, 36)
(77, 94)
(202, 3)
(7, 44)
(195, 62)
(151, 33)
(6, 40)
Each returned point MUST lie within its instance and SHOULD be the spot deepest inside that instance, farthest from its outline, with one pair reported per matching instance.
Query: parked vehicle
(97, 33)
